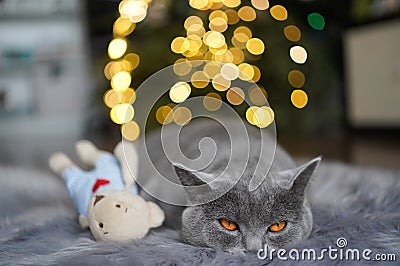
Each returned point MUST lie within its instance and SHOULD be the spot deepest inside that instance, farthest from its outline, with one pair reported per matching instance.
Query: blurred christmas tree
(321, 111)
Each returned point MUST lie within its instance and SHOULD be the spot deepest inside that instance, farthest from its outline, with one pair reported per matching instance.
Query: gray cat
(277, 213)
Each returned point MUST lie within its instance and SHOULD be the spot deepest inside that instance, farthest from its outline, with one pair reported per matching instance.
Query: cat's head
(276, 213)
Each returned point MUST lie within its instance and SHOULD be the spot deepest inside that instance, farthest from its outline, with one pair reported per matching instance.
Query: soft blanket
(354, 208)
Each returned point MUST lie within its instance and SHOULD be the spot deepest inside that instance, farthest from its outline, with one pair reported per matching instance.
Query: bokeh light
(198, 4)
(298, 54)
(258, 95)
(133, 60)
(279, 12)
(122, 113)
(135, 10)
(180, 45)
(250, 114)
(111, 98)
(121, 81)
(245, 30)
(220, 50)
(182, 115)
(218, 24)
(199, 79)
(299, 98)
(216, 4)
(296, 79)
(214, 39)
(195, 43)
(261, 117)
(196, 29)
(192, 20)
(292, 33)
(212, 101)
(231, 3)
(235, 96)
(121, 97)
(223, 57)
(247, 13)
(264, 116)
(128, 96)
(238, 55)
(237, 41)
(240, 37)
(107, 70)
(260, 4)
(230, 71)
(182, 67)
(220, 83)
(255, 46)
(117, 48)
(211, 69)
(257, 74)
(232, 16)
(130, 131)
(316, 21)
(164, 115)
(231, 52)
(115, 67)
(218, 14)
(179, 92)
(246, 71)
(123, 27)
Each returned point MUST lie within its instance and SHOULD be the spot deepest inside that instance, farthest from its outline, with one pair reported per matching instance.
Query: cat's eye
(231, 226)
(118, 206)
(277, 227)
(101, 225)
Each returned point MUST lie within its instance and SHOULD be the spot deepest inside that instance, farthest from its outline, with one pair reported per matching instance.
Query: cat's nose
(253, 242)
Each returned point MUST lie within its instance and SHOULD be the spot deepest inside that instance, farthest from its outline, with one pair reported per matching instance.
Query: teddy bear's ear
(157, 216)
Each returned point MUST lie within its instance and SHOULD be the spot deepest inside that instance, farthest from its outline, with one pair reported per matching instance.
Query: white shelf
(28, 9)
(41, 127)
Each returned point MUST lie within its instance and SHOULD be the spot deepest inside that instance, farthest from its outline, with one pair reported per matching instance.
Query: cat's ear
(188, 178)
(194, 183)
(303, 175)
(297, 179)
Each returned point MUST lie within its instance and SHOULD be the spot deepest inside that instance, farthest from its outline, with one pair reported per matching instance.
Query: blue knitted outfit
(83, 185)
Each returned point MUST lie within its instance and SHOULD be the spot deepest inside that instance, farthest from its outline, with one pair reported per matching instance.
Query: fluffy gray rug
(38, 224)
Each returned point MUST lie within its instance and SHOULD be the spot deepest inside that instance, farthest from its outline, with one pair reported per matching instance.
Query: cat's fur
(281, 196)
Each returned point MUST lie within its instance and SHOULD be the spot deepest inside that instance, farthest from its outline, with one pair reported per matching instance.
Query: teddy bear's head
(121, 216)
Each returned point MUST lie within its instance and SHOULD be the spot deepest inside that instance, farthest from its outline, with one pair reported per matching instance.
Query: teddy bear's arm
(125, 151)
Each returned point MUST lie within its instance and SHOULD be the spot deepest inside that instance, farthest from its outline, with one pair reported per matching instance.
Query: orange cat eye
(231, 226)
(277, 227)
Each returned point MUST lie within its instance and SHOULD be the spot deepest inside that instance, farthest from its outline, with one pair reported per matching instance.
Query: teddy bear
(106, 197)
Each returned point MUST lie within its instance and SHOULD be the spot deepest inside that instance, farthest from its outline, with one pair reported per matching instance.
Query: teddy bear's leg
(88, 152)
(59, 161)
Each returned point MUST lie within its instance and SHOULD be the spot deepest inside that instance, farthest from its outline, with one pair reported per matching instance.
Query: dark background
(322, 127)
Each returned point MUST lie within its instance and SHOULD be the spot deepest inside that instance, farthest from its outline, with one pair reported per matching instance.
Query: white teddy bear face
(120, 215)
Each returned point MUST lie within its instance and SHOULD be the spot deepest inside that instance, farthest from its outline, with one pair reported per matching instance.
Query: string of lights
(228, 45)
